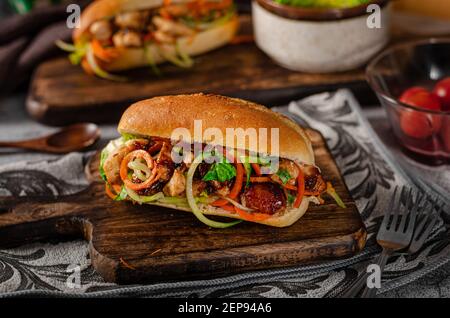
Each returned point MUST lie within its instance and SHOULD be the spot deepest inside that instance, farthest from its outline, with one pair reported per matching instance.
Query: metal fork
(391, 235)
(420, 234)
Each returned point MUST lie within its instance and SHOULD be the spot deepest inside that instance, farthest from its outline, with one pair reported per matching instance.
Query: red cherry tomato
(421, 98)
(415, 124)
(442, 91)
(419, 125)
(410, 92)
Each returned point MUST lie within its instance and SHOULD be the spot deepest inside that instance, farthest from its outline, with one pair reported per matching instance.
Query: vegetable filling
(142, 169)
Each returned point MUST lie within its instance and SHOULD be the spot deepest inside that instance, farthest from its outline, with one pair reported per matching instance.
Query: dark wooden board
(61, 93)
(162, 244)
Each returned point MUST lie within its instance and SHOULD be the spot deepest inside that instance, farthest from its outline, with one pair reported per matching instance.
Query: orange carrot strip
(260, 179)
(86, 67)
(220, 202)
(106, 55)
(257, 168)
(109, 192)
(300, 188)
(228, 207)
(250, 216)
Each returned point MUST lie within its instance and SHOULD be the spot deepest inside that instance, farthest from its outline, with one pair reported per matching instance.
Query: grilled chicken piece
(165, 165)
(127, 39)
(112, 163)
(198, 186)
(314, 181)
(221, 188)
(131, 20)
(101, 30)
(289, 166)
(163, 37)
(171, 27)
(176, 185)
(154, 188)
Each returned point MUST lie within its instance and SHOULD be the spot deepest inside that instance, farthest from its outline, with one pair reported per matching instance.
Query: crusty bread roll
(159, 116)
(130, 58)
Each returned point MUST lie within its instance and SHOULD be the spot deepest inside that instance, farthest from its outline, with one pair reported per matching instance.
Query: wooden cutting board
(61, 93)
(136, 244)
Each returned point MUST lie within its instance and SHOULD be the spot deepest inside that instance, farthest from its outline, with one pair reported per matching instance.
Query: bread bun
(160, 116)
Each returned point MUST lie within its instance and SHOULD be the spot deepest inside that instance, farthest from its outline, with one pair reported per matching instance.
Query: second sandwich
(117, 35)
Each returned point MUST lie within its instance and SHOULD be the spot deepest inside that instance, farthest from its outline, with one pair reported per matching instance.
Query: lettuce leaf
(284, 175)
(126, 137)
(103, 155)
(220, 171)
(122, 195)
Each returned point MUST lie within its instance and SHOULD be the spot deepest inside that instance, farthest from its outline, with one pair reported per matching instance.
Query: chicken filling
(143, 170)
(161, 25)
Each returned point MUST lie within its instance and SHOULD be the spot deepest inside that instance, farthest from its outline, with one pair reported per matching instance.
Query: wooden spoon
(70, 138)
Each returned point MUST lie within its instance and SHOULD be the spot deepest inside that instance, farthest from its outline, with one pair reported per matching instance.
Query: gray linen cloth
(368, 169)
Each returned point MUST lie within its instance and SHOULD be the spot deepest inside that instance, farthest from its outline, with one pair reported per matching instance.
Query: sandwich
(144, 166)
(118, 35)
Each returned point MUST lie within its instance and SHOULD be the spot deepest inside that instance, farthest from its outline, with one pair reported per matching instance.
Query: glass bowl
(418, 63)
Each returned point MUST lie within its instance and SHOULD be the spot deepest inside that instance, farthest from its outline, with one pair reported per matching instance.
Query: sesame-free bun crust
(130, 58)
(160, 116)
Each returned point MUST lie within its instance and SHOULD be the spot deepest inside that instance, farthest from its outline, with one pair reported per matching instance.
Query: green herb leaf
(248, 172)
(189, 21)
(204, 194)
(122, 195)
(290, 198)
(248, 168)
(220, 171)
(22, 6)
(75, 58)
(103, 155)
(127, 137)
(284, 175)
(335, 196)
(150, 60)
(210, 176)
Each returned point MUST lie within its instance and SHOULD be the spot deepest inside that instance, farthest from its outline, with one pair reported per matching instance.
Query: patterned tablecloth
(366, 162)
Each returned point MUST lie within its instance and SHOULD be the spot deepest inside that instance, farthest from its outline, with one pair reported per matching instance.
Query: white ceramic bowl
(320, 43)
